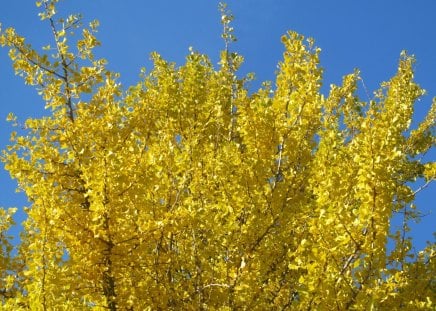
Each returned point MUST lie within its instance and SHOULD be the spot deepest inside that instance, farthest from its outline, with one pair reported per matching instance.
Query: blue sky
(368, 35)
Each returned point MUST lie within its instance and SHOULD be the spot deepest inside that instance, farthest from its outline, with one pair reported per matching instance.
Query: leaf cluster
(185, 191)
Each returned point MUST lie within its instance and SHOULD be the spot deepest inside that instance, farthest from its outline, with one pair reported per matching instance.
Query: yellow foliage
(185, 192)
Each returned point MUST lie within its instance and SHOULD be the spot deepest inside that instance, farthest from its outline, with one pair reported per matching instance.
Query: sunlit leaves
(185, 191)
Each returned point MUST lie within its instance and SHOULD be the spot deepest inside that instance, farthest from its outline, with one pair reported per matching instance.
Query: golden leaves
(186, 192)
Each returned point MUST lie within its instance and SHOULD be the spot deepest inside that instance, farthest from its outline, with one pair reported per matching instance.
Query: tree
(185, 191)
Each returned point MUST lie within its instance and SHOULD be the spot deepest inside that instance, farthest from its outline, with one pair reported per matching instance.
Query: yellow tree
(184, 191)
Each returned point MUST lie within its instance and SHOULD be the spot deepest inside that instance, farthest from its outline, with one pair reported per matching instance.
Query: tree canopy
(187, 191)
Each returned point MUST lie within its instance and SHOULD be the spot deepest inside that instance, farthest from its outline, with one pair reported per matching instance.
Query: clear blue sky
(368, 35)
